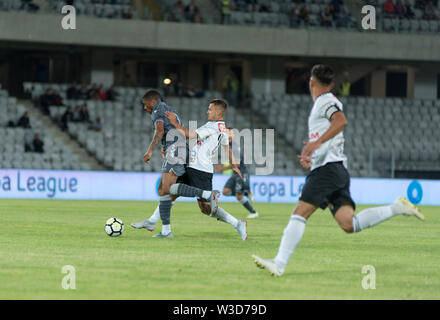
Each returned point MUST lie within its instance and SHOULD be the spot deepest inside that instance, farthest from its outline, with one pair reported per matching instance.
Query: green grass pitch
(207, 259)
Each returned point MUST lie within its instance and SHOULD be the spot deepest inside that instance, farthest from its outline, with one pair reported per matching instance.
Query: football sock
(245, 202)
(156, 214)
(292, 235)
(372, 216)
(184, 190)
(166, 228)
(165, 210)
(222, 215)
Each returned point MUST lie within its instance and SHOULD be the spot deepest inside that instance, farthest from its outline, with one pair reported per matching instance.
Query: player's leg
(372, 216)
(229, 188)
(150, 223)
(205, 182)
(247, 205)
(166, 202)
(197, 186)
(221, 214)
(292, 236)
(242, 188)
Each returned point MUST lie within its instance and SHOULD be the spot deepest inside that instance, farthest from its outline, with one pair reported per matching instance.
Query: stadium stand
(410, 16)
(377, 141)
(14, 154)
(375, 136)
(127, 130)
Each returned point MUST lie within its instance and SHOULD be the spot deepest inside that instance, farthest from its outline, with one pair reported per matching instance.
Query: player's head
(150, 99)
(321, 79)
(216, 109)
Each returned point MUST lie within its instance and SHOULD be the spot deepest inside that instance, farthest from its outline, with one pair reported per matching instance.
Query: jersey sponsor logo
(314, 135)
(221, 127)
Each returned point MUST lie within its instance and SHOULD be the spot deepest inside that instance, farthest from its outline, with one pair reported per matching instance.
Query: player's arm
(337, 123)
(190, 134)
(158, 135)
(232, 161)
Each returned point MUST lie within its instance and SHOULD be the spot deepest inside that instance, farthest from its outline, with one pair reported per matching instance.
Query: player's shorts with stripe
(238, 185)
(198, 179)
(178, 169)
(329, 184)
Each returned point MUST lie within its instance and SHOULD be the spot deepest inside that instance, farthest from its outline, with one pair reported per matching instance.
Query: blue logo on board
(415, 192)
(157, 185)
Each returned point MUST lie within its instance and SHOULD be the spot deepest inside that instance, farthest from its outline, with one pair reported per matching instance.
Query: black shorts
(238, 185)
(198, 179)
(329, 184)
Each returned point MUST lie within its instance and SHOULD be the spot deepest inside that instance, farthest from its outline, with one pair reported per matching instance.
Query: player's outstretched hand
(147, 156)
(305, 162)
(172, 117)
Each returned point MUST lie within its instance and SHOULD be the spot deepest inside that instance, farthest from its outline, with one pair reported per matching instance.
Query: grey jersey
(158, 114)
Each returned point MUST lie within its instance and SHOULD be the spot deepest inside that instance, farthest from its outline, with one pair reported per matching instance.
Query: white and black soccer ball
(114, 227)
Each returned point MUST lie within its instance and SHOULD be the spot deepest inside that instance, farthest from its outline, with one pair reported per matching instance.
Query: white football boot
(406, 208)
(269, 265)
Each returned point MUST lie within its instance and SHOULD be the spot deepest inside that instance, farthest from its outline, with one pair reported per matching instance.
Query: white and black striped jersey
(319, 122)
(211, 136)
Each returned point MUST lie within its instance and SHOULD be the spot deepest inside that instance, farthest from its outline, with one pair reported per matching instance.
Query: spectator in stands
(326, 17)
(345, 85)
(240, 5)
(264, 8)
(189, 92)
(190, 11)
(96, 125)
(38, 144)
(101, 93)
(198, 17)
(252, 5)
(76, 114)
(336, 6)
(112, 94)
(230, 87)
(388, 7)
(399, 8)
(178, 12)
(226, 11)
(179, 89)
(73, 92)
(83, 92)
(127, 13)
(420, 4)
(200, 93)
(24, 121)
(67, 116)
(56, 99)
(304, 14)
(46, 100)
(409, 12)
(343, 19)
(430, 13)
(93, 92)
(294, 15)
(28, 5)
(84, 114)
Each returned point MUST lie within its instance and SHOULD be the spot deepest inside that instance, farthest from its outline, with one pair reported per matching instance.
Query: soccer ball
(114, 227)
